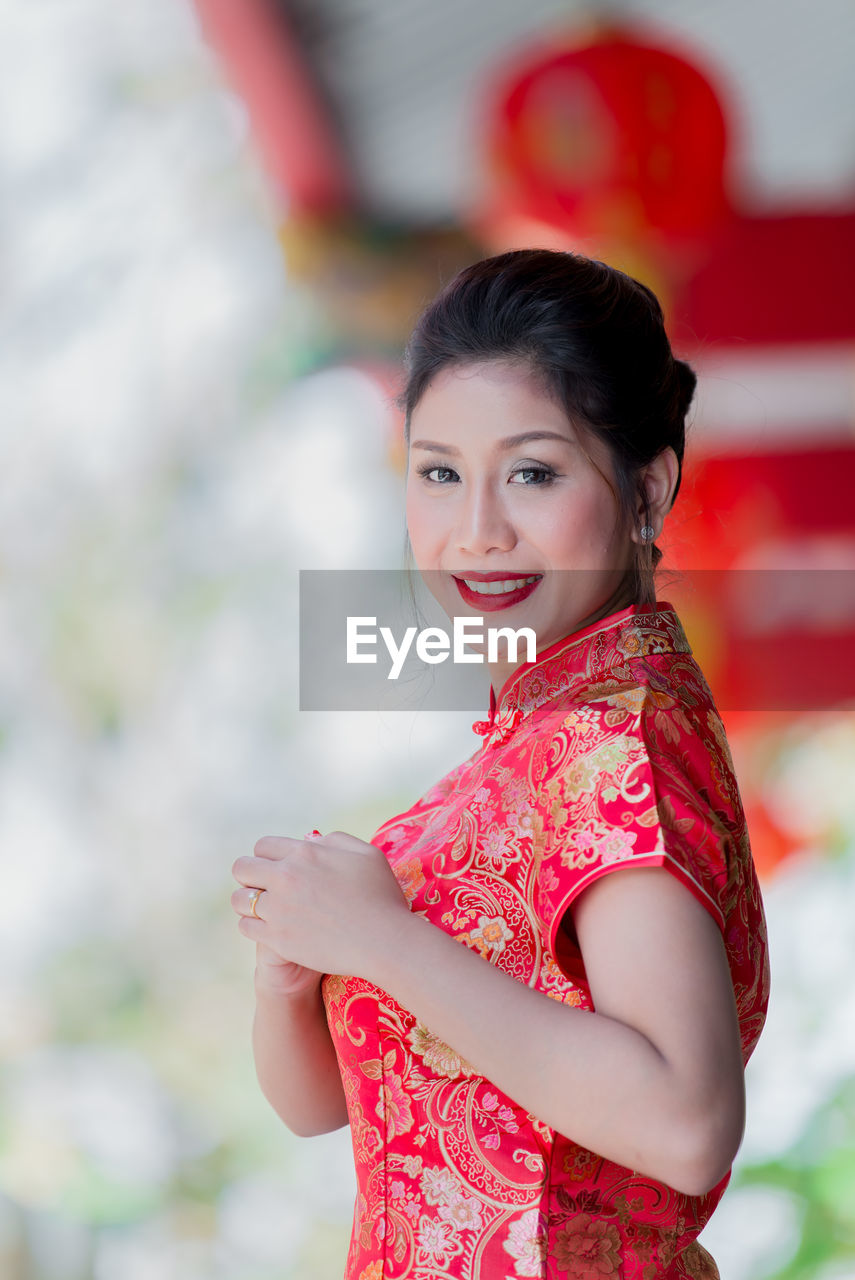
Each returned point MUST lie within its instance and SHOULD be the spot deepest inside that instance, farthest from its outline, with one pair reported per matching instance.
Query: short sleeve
(628, 780)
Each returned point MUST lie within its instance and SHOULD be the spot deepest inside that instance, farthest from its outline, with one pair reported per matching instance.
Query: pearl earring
(647, 533)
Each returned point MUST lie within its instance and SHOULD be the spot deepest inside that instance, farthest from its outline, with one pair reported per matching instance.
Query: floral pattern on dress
(526, 1243)
(436, 1054)
(588, 1247)
(606, 752)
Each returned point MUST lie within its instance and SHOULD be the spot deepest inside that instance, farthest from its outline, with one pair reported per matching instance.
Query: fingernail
(314, 834)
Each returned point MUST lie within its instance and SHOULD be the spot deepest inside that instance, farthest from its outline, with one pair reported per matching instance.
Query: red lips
(494, 603)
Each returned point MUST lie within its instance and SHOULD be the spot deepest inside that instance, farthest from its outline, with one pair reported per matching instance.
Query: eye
(436, 475)
(538, 475)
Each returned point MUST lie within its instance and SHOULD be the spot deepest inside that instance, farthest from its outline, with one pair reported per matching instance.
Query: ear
(657, 483)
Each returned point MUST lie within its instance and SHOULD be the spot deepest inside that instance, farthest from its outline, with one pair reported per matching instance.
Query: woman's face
(501, 495)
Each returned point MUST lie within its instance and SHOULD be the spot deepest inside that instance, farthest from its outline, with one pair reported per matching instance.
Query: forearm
(296, 1064)
(596, 1080)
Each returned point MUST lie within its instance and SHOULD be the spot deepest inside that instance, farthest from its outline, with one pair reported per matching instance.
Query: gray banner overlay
(767, 639)
(362, 605)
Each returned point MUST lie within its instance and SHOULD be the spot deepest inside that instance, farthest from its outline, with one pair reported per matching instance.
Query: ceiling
(404, 78)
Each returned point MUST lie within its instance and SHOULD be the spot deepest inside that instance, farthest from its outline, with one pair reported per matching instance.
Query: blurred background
(218, 221)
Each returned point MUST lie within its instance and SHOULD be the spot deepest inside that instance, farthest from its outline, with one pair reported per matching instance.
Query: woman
(544, 980)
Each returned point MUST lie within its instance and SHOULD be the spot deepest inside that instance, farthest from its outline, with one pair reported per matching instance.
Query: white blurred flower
(151, 1250)
(807, 1048)
(95, 1105)
(753, 1232)
(262, 1220)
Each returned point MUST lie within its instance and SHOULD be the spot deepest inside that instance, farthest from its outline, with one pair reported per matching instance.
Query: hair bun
(687, 383)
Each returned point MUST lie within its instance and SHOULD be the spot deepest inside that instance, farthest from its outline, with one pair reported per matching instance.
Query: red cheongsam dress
(605, 752)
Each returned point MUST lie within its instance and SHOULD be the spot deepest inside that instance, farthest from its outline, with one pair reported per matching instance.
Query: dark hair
(594, 335)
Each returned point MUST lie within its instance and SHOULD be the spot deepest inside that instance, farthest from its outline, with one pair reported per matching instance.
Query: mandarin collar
(593, 652)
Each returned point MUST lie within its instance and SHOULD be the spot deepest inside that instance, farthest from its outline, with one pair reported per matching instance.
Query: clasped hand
(330, 904)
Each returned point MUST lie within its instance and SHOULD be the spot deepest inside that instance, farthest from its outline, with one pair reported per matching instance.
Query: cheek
(579, 530)
(421, 525)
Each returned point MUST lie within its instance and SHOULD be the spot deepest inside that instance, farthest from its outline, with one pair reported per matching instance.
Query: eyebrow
(509, 442)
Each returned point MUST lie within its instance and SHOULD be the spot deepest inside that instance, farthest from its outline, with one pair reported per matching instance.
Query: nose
(484, 523)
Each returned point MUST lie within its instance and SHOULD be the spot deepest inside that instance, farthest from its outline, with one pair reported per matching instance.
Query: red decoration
(297, 138)
(608, 139)
(783, 278)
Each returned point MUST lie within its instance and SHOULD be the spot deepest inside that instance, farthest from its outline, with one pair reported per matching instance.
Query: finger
(257, 930)
(246, 903)
(343, 840)
(254, 872)
(275, 847)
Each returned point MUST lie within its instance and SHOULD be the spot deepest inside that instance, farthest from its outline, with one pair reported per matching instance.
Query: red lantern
(607, 139)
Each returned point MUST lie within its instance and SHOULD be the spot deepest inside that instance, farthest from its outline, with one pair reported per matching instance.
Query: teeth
(499, 588)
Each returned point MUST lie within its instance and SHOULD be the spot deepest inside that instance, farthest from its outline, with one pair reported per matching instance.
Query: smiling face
(501, 493)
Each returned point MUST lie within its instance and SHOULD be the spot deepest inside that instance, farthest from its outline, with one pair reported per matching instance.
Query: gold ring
(253, 902)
